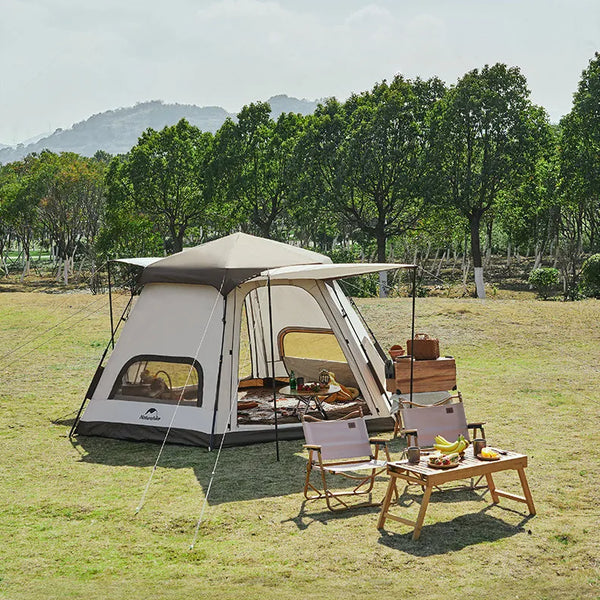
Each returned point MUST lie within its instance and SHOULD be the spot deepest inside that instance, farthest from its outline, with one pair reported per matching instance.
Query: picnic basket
(423, 347)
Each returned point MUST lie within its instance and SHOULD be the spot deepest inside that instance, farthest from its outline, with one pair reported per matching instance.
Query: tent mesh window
(310, 342)
(160, 379)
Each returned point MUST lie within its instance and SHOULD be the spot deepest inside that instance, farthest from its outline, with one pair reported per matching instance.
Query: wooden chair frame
(345, 468)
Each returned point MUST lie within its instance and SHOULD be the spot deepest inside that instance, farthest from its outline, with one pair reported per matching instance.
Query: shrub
(544, 281)
(590, 276)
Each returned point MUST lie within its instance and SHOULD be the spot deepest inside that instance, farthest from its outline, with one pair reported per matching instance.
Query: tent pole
(273, 367)
(364, 322)
(412, 329)
(112, 327)
(214, 420)
(99, 369)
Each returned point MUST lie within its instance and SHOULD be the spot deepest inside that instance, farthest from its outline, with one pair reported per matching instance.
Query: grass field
(68, 519)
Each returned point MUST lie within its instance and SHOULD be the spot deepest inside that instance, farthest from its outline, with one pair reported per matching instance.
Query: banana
(447, 448)
(462, 445)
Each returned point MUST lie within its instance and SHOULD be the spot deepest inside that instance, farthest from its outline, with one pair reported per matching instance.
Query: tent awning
(331, 271)
(138, 262)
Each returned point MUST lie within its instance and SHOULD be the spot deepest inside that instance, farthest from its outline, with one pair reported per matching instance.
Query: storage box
(428, 375)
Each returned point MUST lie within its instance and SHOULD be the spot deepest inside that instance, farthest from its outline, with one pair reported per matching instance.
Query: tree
(166, 176)
(72, 202)
(254, 161)
(486, 136)
(126, 231)
(368, 155)
(580, 176)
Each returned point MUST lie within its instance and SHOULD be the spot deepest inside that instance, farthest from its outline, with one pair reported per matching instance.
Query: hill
(116, 131)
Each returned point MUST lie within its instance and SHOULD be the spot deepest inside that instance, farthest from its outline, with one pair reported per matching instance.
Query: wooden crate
(428, 375)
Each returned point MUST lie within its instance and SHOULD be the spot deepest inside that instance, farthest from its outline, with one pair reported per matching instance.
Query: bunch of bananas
(446, 447)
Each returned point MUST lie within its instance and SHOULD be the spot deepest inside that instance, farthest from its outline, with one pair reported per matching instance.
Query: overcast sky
(64, 60)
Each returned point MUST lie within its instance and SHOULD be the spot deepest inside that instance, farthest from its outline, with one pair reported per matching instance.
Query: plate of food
(442, 461)
(488, 454)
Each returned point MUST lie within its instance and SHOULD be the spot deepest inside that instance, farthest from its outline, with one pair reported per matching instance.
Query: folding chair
(342, 447)
(421, 423)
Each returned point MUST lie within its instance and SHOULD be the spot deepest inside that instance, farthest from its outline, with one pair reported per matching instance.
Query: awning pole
(273, 367)
(412, 329)
(112, 328)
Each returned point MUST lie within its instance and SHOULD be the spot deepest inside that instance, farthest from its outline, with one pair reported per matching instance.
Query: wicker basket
(425, 348)
(396, 351)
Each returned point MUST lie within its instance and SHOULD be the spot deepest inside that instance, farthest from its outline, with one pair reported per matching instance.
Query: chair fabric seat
(350, 467)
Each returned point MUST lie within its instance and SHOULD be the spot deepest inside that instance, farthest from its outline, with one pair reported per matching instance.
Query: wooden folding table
(428, 477)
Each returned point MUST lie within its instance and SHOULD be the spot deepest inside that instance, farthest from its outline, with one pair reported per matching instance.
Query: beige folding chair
(421, 423)
(342, 447)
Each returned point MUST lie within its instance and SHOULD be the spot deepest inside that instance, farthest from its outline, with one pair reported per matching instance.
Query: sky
(63, 60)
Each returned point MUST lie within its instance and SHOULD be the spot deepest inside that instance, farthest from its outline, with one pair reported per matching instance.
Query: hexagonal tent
(174, 372)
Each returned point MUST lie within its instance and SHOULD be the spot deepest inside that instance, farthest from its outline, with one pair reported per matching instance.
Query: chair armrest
(376, 440)
(410, 431)
(312, 447)
(475, 427)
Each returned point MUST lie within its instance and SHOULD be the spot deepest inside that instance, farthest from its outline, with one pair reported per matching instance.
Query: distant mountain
(117, 131)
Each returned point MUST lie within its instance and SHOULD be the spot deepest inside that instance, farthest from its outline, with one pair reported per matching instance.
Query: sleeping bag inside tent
(212, 340)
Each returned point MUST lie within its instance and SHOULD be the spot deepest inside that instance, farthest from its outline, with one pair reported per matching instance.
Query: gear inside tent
(213, 338)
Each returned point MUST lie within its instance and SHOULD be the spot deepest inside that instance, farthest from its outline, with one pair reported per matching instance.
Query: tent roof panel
(226, 262)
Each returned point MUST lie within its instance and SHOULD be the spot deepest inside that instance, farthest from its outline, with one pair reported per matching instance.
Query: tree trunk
(539, 251)
(474, 222)
(381, 257)
(439, 267)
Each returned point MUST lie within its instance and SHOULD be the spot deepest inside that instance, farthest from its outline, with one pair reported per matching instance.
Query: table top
(326, 391)
(468, 467)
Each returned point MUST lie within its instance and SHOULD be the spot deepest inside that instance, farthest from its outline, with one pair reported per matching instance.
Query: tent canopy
(331, 271)
(229, 261)
(226, 262)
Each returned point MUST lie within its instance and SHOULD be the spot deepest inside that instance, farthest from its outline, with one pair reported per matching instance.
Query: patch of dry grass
(67, 510)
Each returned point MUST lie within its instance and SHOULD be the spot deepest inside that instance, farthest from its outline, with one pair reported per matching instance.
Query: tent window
(160, 379)
(310, 342)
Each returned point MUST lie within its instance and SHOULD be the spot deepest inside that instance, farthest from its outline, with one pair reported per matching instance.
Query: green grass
(67, 509)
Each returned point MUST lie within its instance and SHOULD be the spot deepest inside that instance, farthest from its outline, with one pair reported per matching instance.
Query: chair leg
(396, 425)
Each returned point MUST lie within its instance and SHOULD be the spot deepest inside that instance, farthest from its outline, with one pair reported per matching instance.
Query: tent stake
(273, 367)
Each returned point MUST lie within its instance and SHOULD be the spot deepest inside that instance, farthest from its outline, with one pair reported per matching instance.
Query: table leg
(492, 488)
(526, 491)
(385, 505)
(320, 408)
(422, 511)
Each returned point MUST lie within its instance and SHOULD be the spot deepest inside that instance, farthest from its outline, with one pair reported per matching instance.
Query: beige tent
(174, 372)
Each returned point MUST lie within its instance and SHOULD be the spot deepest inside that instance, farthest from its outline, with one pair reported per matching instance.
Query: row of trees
(407, 164)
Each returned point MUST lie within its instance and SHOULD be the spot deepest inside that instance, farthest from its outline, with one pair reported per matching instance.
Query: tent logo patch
(150, 415)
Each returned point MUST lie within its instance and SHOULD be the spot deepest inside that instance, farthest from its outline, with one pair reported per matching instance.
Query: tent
(174, 372)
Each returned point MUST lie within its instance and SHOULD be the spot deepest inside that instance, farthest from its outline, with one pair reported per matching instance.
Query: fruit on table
(445, 447)
(309, 387)
(489, 453)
